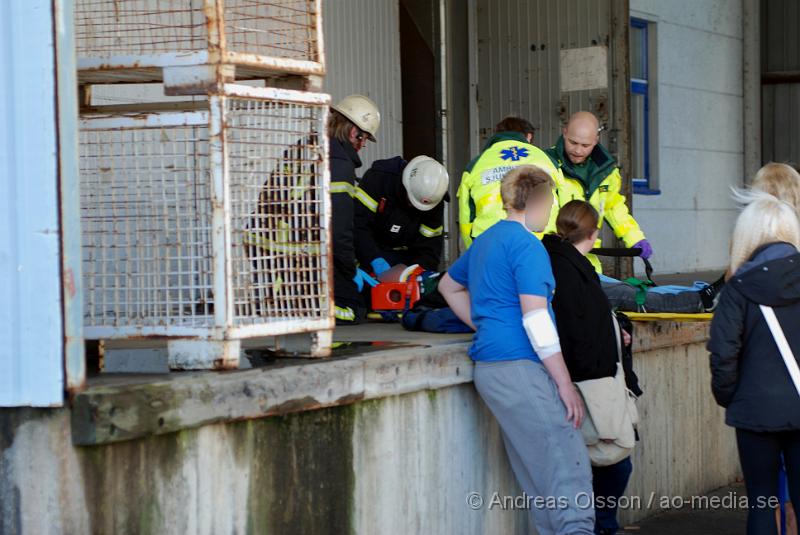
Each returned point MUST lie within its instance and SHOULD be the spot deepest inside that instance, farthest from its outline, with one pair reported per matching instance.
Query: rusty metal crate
(208, 226)
(192, 45)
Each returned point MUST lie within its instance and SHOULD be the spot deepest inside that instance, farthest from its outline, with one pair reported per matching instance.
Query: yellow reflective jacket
(601, 189)
(479, 203)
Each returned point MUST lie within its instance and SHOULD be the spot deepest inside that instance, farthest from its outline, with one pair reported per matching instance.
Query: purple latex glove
(647, 249)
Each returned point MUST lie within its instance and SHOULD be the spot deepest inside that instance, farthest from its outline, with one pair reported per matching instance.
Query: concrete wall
(399, 464)
(700, 144)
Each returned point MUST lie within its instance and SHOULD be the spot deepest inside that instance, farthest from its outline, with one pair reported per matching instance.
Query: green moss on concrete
(121, 481)
(301, 478)
(432, 397)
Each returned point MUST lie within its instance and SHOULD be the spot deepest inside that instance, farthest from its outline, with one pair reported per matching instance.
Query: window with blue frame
(640, 107)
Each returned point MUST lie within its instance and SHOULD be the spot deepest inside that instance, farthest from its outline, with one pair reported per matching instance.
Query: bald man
(589, 172)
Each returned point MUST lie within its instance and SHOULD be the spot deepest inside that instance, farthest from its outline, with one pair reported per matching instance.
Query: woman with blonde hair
(780, 180)
(752, 374)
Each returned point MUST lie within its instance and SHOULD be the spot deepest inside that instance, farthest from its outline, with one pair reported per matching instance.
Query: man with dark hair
(516, 124)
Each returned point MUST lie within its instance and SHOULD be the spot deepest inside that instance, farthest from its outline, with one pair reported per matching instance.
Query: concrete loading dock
(384, 441)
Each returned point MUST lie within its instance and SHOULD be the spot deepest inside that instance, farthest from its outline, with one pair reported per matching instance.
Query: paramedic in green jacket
(588, 172)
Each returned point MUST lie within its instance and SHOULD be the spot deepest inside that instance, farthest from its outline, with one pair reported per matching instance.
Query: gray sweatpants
(546, 452)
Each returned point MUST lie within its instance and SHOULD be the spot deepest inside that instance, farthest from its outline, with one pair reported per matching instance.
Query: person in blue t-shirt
(503, 287)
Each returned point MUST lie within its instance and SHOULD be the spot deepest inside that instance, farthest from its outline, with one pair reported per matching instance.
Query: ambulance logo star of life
(514, 154)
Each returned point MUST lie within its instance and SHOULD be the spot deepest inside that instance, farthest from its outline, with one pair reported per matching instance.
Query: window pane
(638, 132)
(638, 53)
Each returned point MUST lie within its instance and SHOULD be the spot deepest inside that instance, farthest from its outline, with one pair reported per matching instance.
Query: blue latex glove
(362, 278)
(379, 265)
(647, 249)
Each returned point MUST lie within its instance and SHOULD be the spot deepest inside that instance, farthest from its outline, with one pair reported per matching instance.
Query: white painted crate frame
(142, 36)
(236, 182)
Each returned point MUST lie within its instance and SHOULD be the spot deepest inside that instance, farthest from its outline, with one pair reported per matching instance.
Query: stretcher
(648, 282)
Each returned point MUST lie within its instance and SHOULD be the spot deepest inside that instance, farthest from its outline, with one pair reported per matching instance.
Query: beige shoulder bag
(611, 415)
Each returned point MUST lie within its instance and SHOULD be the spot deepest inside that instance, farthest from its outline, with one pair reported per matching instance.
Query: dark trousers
(760, 456)
(346, 295)
(608, 483)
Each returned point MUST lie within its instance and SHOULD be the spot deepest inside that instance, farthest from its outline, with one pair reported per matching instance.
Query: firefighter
(588, 172)
(399, 214)
(479, 202)
(353, 122)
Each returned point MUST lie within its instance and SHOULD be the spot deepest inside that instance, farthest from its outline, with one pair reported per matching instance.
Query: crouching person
(399, 214)
(503, 286)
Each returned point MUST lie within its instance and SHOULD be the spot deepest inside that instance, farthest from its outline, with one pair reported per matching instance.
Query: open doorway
(418, 66)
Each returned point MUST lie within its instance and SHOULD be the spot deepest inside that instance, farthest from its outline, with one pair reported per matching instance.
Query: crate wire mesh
(146, 223)
(269, 35)
(210, 223)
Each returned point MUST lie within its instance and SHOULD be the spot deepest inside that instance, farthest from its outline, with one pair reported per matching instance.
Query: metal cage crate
(190, 44)
(209, 225)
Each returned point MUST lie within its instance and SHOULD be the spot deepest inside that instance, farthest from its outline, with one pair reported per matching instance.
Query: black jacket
(344, 161)
(583, 313)
(386, 220)
(749, 376)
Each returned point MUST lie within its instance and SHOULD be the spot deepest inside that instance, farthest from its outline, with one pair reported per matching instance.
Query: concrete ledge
(151, 406)
(105, 414)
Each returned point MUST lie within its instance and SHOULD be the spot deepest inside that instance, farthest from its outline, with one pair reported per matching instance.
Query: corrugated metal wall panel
(31, 353)
(362, 48)
(780, 125)
(518, 53)
(780, 51)
(519, 73)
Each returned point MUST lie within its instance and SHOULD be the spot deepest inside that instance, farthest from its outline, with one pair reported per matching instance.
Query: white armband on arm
(542, 333)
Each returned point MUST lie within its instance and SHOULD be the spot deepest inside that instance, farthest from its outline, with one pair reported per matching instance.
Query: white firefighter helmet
(426, 182)
(362, 112)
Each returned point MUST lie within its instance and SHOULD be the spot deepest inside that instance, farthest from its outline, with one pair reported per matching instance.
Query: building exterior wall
(399, 464)
(699, 132)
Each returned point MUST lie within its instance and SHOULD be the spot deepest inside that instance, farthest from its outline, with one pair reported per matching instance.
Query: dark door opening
(418, 80)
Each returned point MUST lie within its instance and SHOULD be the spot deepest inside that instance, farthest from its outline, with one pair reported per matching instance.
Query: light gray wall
(700, 144)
